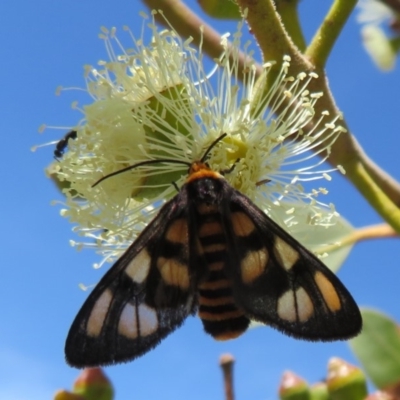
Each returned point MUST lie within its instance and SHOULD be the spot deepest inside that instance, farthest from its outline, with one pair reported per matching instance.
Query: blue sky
(45, 44)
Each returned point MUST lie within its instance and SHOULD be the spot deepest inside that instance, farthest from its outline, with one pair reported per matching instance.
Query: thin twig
(325, 38)
(226, 362)
(188, 24)
(378, 231)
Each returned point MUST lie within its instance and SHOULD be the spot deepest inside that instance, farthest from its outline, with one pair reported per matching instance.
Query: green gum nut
(64, 395)
(292, 387)
(319, 391)
(345, 381)
(162, 134)
(93, 384)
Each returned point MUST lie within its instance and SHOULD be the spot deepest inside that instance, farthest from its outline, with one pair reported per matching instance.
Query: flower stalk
(325, 38)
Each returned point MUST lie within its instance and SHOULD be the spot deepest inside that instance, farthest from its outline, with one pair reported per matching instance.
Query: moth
(63, 143)
(209, 250)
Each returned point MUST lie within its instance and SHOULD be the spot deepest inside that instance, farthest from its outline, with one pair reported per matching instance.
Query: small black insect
(63, 143)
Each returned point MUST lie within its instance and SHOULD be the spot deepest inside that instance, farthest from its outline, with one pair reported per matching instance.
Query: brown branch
(188, 24)
(378, 231)
(226, 362)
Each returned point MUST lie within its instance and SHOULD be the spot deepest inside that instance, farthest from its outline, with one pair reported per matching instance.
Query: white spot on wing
(148, 320)
(305, 306)
(99, 313)
(295, 306)
(132, 327)
(128, 324)
(138, 268)
(286, 254)
(287, 307)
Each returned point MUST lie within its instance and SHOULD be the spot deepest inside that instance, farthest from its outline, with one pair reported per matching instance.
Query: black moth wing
(144, 296)
(279, 282)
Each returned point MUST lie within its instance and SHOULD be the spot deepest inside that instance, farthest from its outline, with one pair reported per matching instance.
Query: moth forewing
(279, 282)
(134, 306)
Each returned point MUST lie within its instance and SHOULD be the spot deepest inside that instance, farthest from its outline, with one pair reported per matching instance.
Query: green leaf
(223, 9)
(167, 123)
(327, 241)
(378, 348)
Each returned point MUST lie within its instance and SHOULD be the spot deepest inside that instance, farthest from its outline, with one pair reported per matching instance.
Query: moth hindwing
(211, 250)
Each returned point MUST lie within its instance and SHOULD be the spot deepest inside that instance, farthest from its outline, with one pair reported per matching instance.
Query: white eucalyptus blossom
(373, 14)
(156, 101)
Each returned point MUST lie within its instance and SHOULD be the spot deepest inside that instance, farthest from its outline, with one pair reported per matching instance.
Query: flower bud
(345, 381)
(293, 387)
(93, 384)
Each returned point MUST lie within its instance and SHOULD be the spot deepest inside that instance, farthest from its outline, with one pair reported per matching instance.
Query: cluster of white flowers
(156, 101)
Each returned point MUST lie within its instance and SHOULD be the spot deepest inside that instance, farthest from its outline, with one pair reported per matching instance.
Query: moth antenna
(175, 186)
(148, 162)
(210, 147)
(229, 170)
(120, 171)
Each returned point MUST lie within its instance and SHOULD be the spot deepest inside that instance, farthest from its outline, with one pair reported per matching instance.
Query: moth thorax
(206, 190)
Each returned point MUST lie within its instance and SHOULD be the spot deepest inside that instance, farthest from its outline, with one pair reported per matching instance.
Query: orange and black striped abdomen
(217, 309)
